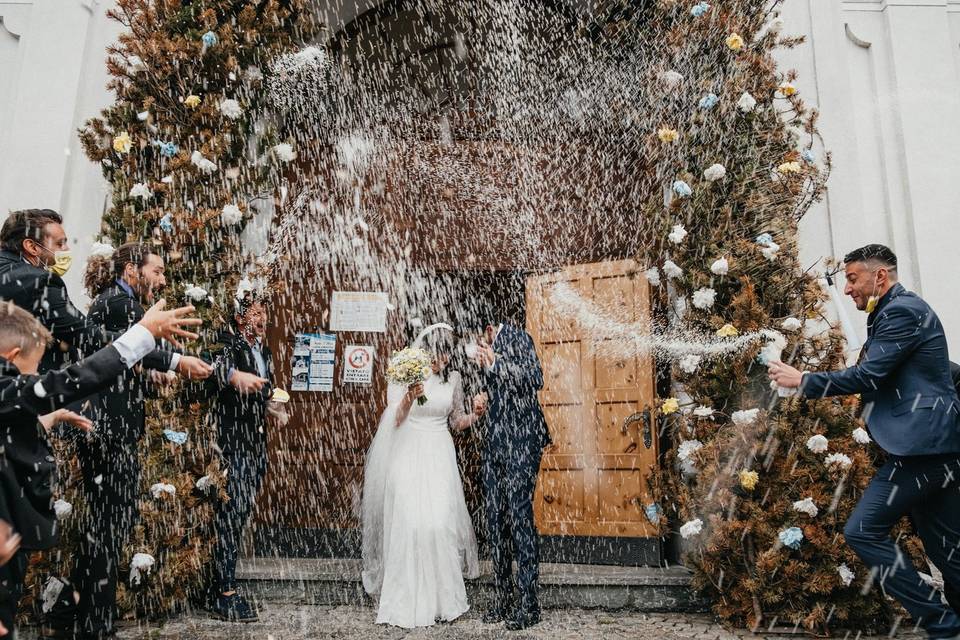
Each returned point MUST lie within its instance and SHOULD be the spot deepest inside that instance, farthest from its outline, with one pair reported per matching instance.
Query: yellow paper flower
(735, 42)
(727, 331)
(670, 405)
(787, 89)
(192, 101)
(122, 143)
(790, 167)
(749, 480)
(668, 135)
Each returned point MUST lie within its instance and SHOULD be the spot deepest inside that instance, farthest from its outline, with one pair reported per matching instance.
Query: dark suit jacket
(904, 378)
(27, 467)
(515, 419)
(241, 419)
(119, 410)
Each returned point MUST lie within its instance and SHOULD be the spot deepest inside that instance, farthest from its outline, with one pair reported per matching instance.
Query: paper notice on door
(314, 355)
(359, 311)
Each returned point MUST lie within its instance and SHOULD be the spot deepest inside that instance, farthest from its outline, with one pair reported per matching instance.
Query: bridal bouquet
(408, 367)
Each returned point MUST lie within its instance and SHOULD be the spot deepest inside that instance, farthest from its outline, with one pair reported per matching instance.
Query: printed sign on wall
(358, 364)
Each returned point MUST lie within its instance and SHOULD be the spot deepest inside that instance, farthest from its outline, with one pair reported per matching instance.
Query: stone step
(336, 581)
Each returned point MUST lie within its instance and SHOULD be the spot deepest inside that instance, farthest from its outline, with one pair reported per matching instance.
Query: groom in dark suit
(516, 435)
(911, 409)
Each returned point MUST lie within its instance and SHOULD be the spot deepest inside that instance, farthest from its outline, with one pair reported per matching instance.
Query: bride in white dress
(418, 539)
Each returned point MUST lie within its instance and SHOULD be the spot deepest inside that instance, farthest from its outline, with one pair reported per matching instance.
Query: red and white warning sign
(358, 364)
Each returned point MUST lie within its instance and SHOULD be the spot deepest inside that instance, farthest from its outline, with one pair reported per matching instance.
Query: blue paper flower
(808, 156)
(709, 101)
(167, 149)
(682, 189)
(166, 223)
(209, 39)
(652, 512)
(176, 437)
(699, 9)
(791, 537)
(764, 239)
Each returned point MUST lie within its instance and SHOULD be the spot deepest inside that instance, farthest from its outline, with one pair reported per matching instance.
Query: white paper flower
(841, 459)
(715, 172)
(689, 363)
(143, 116)
(791, 324)
(51, 593)
(678, 234)
(197, 294)
(692, 528)
(200, 162)
(806, 506)
(284, 152)
(704, 298)
(135, 65)
(721, 267)
(231, 109)
(203, 483)
(671, 269)
(62, 508)
(671, 78)
(161, 488)
(746, 103)
(167, 179)
(231, 214)
(846, 574)
(141, 562)
(860, 436)
(653, 276)
(773, 350)
(141, 190)
(101, 250)
(770, 251)
(745, 417)
(703, 411)
(775, 25)
(818, 443)
(687, 448)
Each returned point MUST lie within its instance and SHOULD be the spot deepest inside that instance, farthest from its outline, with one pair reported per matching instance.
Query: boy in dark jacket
(27, 400)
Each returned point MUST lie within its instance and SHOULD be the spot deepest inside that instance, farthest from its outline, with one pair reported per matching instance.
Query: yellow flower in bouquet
(122, 142)
(670, 405)
(727, 331)
(749, 480)
(408, 367)
(790, 167)
(192, 101)
(735, 41)
(668, 135)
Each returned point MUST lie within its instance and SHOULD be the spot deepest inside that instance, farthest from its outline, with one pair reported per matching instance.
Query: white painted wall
(885, 74)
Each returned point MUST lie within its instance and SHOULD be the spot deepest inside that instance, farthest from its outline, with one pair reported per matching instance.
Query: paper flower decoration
(670, 405)
(818, 443)
(161, 489)
(703, 411)
(203, 483)
(677, 234)
(653, 276)
(101, 250)
(284, 152)
(142, 191)
(687, 448)
(720, 267)
(176, 437)
(715, 172)
(749, 479)
(745, 417)
(672, 270)
(787, 89)
(808, 156)
(202, 163)
(62, 508)
(746, 103)
(143, 116)
(668, 135)
(791, 324)
(231, 109)
(846, 574)
(840, 459)
(652, 511)
(167, 149)
(231, 214)
(735, 41)
(806, 506)
(139, 565)
(791, 537)
(192, 101)
(770, 251)
(699, 9)
(709, 101)
(197, 294)
(166, 223)
(727, 331)
(789, 167)
(704, 298)
(690, 363)
(860, 436)
(682, 189)
(122, 142)
(764, 239)
(692, 528)
(209, 39)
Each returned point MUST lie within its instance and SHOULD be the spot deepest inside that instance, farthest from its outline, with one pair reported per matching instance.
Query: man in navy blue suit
(911, 409)
(516, 435)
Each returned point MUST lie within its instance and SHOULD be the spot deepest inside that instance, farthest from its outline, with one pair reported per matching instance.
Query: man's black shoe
(233, 608)
(495, 615)
(522, 621)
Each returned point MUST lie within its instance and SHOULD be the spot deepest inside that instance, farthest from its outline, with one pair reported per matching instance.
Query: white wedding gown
(418, 539)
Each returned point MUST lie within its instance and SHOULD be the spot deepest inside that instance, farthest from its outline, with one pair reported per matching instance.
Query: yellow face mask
(61, 263)
(872, 303)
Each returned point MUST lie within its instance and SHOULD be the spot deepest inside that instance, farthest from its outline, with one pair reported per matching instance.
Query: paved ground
(300, 622)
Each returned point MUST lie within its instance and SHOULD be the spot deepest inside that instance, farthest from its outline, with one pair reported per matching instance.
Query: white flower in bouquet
(671, 269)
(704, 298)
(677, 234)
(203, 483)
(770, 251)
(284, 152)
(141, 190)
(745, 417)
(692, 528)
(841, 459)
(747, 102)
(62, 508)
(846, 574)
(101, 250)
(806, 506)
(720, 267)
(818, 443)
(860, 436)
(195, 293)
(161, 488)
(689, 363)
(671, 78)
(140, 564)
(201, 163)
(231, 109)
(791, 324)
(135, 65)
(653, 276)
(687, 448)
(715, 172)
(703, 411)
(231, 214)
(408, 367)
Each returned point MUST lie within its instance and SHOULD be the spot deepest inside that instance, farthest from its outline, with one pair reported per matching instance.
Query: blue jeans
(927, 489)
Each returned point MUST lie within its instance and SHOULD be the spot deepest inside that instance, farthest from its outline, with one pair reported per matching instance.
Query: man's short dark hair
(876, 253)
(26, 224)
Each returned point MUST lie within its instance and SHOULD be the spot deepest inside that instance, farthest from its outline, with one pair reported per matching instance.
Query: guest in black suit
(241, 388)
(30, 404)
(109, 458)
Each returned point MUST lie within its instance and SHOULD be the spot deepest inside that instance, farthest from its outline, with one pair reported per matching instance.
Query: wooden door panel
(566, 429)
(561, 368)
(562, 495)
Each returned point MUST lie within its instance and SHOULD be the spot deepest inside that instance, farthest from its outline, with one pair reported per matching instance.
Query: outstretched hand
(169, 325)
(784, 375)
(247, 382)
(69, 417)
